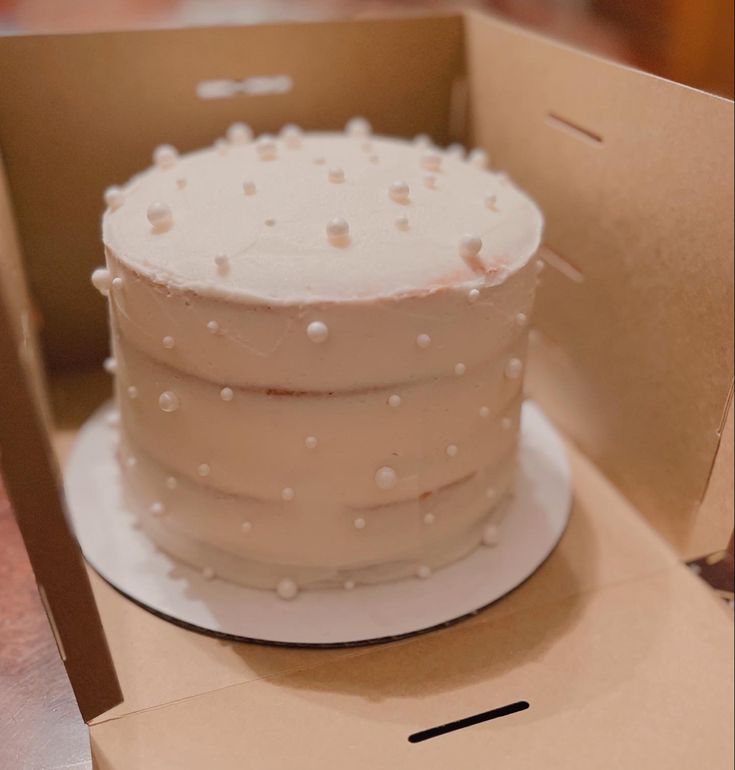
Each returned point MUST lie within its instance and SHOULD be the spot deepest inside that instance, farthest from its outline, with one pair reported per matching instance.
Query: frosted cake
(318, 343)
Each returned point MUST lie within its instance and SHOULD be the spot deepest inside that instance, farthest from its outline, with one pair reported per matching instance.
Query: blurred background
(690, 41)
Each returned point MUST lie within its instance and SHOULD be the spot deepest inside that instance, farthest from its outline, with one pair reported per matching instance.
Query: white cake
(318, 346)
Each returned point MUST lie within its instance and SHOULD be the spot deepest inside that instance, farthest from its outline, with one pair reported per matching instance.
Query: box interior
(631, 356)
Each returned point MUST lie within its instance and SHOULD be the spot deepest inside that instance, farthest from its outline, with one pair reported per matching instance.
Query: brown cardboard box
(624, 657)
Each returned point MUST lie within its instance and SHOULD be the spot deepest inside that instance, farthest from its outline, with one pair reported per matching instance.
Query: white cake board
(534, 521)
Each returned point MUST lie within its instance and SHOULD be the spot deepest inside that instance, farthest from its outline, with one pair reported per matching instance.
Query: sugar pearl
(431, 160)
(317, 332)
(239, 133)
(521, 319)
(113, 419)
(424, 571)
(429, 518)
(171, 482)
(132, 392)
(336, 175)
(422, 140)
(117, 283)
(160, 216)
(473, 296)
(478, 157)
(131, 461)
(168, 401)
(226, 394)
(358, 127)
(348, 585)
(459, 369)
(110, 365)
(114, 197)
(208, 573)
(291, 135)
(164, 156)
(222, 261)
(399, 191)
(469, 250)
(456, 150)
(423, 340)
(359, 523)
(168, 342)
(203, 469)
(212, 327)
(311, 442)
(513, 368)
(157, 508)
(394, 400)
(246, 527)
(490, 535)
(484, 412)
(338, 231)
(490, 201)
(386, 478)
(402, 223)
(287, 494)
(248, 187)
(221, 146)
(452, 450)
(287, 589)
(266, 147)
(102, 280)
(539, 266)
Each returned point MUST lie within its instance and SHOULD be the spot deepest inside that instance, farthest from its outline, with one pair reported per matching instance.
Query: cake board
(533, 523)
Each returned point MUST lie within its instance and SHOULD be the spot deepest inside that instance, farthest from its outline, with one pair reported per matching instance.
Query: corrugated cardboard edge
(633, 355)
(37, 498)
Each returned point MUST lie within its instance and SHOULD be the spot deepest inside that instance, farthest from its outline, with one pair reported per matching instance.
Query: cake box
(616, 654)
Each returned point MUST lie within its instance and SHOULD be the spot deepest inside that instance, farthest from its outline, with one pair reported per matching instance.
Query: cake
(318, 344)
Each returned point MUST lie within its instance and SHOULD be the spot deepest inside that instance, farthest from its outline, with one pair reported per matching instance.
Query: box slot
(564, 124)
(475, 719)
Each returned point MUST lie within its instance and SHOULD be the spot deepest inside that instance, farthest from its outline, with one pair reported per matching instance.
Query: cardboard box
(624, 657)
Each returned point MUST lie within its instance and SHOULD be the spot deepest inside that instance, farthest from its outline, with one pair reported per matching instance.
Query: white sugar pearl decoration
(506, 423)
(478, 158)
(336, 175)
(490, 535)
(473, 296)
(248, 187)
(102, 280)
(208, 573)
(455, 150)
(212, 327)
(422, 140)
(491, 201)
(160, 216)
(484, 412)
(168, 401)
(430, 181)
(113, 419)
(266, 147)
(157, 508)
(222, 261)
(203, 470)
(469, 250)
(459, 369)
(311, 442)
(239, 133)
(227, 394)
(358, 127)
(164, 156)
(539, 266)
(452, 450)
(423, 341)
(513, 368)
(317, 332)
(221, 146)
(117, 283)
(287, 589)
(110, 365)
(287, 494)
(114, 197)
(394, 400)
(424, 571)
(132, 392)
(399, 191)
(402, 223)
(338, 230)
(131, 461)
(359, 523)
(171, 482)
(431, 160)
(386, 478)
(429, 518)
(521, 319)
(246, 527)
(291, 135)
(168, 342)
(349, 585)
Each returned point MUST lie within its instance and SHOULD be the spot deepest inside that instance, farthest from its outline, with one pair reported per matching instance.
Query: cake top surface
(309, 217)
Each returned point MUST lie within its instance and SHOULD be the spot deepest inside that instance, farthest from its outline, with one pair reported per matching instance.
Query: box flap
(36, 496)
(634, 353)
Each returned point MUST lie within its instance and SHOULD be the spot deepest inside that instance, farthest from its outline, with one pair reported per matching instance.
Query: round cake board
(533, 522)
